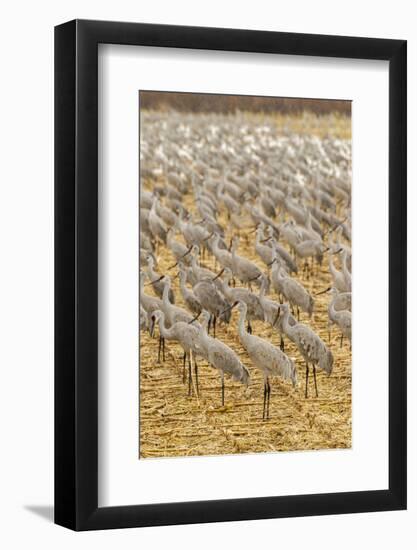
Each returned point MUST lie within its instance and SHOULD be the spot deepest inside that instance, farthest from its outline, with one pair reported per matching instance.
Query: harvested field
(175, 424)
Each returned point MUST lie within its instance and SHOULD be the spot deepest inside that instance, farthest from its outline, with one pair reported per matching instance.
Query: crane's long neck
(165, 294)
(332, 309)
(243, 333)
(164, 331)
(285, 322)
(226, 290)
(203, 331)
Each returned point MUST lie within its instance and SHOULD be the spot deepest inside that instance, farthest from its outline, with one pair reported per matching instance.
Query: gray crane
(295, 293)
(309, 344)
(232, 295)
(155, 278)
(221, 357)
(266, 357)
(245, 270)
(188, 337)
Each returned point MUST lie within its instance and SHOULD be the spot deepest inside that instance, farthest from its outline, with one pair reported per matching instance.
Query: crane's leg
(268, 388)
(184, 357)
(159, 349)
(341, 340)
(189, 375)
(249, 328)
(214, 326)
(298, 313)
(281, 345)
(222, 389)
(264, 409)
(163, 350)
(329, 326)
(196, 376)
(315, 380)
(209, 325)
(306, 393)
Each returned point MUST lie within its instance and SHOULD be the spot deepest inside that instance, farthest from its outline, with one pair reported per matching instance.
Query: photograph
(245, 274)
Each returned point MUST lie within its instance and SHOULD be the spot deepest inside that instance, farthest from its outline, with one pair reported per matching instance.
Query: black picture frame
(76, 272)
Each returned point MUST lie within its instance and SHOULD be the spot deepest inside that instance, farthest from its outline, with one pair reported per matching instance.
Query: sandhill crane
(173, 314)
(295, 293)
(264, 251)
(311, 248)
(255, 310)
(266, 357)
(271, 311)
(310, 345)
(178, 249)
(341, 279)
(242, 268)
(343, 319)
(290, 264)
(147, 302)
(221, 356)
(223, 256)
(156, 225)
(340, 300)
(169, 218)
(155, 278)
(212, 301)
(188, 295)
(188, 337)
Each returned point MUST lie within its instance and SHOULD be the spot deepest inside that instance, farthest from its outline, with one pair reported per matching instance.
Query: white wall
(26, 270)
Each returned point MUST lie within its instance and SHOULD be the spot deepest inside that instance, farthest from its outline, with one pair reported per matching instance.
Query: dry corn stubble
(173, 424)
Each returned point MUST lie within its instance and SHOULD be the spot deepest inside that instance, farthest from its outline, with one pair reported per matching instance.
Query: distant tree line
(218, 103)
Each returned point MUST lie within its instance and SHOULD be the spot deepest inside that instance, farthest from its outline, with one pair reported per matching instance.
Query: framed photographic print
(230, 253)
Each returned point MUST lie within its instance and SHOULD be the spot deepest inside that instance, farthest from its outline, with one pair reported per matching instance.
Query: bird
(295, 293)
(271, 311)
(221, 356)
(266, 357)
(255, 310)
(341, 279)
(173, 314)
(245, 270)
(342, 318)
(178, 249)
(188, 295)
(156, 225)
(155, 278)
(224, 257)
(310, 345)
(340, 300)
(147, 302)
(212, 301)
(187, 336)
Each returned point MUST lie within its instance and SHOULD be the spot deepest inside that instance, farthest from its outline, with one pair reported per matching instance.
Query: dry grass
(173, 424)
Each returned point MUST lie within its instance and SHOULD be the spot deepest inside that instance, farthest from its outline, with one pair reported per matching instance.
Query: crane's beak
(338, 251)
(194, 319)
(323, 291)
(229, 308)
(255, 278)
(266, 240)
(155, 281)
(254, 229)
(270, 263)
(181, 257)
(209, 237)
(218, 274)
